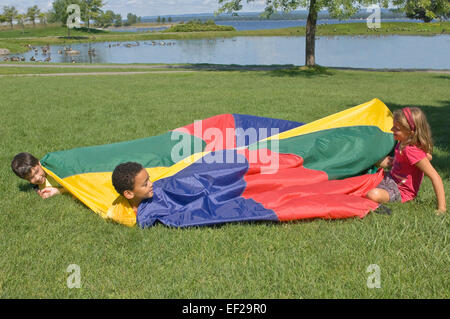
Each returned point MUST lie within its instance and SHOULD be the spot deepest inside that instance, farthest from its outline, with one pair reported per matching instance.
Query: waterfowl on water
(45, 49)
(70, 51)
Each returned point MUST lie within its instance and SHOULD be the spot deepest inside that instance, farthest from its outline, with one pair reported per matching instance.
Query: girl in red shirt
(410, 162)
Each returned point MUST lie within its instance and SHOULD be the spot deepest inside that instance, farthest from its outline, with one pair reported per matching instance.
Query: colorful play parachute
(235, 168)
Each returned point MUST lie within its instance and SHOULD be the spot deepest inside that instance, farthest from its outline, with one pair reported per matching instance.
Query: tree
(118, 20)
(32, 14)
(43, 18)
(342, 9)
(91, 9)
(105, 19)
(131, 19)
(59, 10)
(10, 14)
(21, 21)
(425, 10)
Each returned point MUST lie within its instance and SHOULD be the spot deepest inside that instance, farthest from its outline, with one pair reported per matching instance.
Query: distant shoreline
(161, 25)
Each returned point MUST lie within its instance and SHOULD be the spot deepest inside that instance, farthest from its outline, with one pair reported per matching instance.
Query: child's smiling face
(143, 187)
(400, 134)
(37, 175)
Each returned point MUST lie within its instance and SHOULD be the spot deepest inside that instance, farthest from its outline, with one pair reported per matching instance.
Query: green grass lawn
(305, 259)
(52, 30)
(52, 70)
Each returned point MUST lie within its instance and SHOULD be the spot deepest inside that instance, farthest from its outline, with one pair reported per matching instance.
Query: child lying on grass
(28, 167)
(132, 181)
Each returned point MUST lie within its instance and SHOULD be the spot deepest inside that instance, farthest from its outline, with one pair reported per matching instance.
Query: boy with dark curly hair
(132, 181)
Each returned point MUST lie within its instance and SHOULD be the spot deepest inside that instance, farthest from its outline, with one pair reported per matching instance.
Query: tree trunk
(311, 34)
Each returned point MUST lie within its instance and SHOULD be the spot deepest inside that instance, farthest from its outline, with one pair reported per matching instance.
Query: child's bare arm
(385, 162)
(436, 180)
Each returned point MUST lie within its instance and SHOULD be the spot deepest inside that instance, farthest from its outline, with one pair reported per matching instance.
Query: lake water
(394, 51)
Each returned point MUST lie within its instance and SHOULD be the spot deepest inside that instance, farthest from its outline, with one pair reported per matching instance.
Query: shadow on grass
(287, 70)
(73, 38)
(302, 71)
(219, 225)
(234, 67)
(266, 223)
(84, 30)
(90, 30)
(443, 77)
(27, 187)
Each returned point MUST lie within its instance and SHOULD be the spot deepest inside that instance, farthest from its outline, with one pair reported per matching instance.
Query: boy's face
(37, 175)
(143, 187)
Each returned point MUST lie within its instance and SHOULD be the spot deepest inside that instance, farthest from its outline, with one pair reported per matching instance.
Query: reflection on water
(395, 51)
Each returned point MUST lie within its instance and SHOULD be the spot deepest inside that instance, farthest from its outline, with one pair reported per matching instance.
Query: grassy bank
(308, 259)
(16, 42)
(64, 69)
(199, 26)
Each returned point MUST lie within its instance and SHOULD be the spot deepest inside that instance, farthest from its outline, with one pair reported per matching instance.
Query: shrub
(198, 26)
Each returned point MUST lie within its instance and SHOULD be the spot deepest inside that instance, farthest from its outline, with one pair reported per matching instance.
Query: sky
(143, 7)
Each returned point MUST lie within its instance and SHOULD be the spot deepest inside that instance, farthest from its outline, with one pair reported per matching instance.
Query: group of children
(410, 163)
(130, 179)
